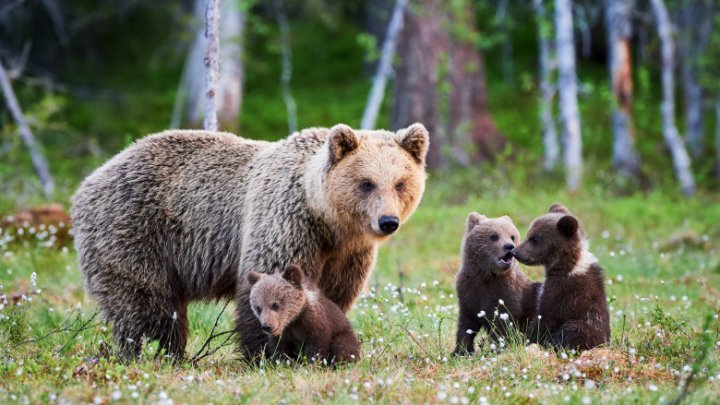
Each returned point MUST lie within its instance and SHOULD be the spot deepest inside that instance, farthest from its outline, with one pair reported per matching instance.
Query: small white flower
(469, 331)
(481, 314)
(504, 316)
(116, 395)
(653, 387)
(501, 302)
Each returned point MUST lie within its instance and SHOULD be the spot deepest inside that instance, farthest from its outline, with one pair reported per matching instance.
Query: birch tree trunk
(384, 68)
(286, 75)
(230, 87)
(617, 19)
(212, 63)
(680, 157)
(38, 160)
(567, 83)
(547, 90)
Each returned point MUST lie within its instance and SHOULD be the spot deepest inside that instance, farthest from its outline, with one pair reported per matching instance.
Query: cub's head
(278, 299)
(554, 240)
(488, 242)
(372, 181)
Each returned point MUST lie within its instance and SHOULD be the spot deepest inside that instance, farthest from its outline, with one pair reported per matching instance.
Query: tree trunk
(38, 160)
(440, 81)
(470, 124)
(231, 64)
(681, 159)
(567, 83)
(416, 80)
(384, 68)
(286, 75)
(617, 18)
(191, 98)
(695, 22)
(547, 90)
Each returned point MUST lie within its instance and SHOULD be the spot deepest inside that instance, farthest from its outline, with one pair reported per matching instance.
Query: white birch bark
(680, 157)
(384, 68)
(38, 160)
(212, 63)
(617, 19)
(567, 86)
(286, 75)
(547, 90)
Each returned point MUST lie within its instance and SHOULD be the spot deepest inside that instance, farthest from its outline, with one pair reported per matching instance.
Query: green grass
(661, 288)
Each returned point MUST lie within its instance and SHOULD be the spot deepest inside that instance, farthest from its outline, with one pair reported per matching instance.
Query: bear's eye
(534, 240)
(367, 186)
(258, 309)
(275, 306)
(494, 237)
(512, 238)
(400, 187)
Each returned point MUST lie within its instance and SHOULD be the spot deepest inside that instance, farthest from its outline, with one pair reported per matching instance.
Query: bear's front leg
(468, 328)
(344, 276)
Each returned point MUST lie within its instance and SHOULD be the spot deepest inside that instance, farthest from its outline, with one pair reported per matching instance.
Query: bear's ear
(415, 139)
(568, 226)
(558, 208)
(342, 140)
(253, 277)
(294, 275)
(473, 219)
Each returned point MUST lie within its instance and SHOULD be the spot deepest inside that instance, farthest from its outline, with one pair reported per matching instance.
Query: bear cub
(299, 320)
(490, 282)
(572, 307)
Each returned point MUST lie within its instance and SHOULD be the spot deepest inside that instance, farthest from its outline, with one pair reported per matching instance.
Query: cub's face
(489, 241)
(376, 178)
(278, 299)
(550, 237)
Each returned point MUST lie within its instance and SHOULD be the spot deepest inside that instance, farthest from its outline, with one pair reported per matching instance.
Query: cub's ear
(558, 208)
(473, 219)
(342, 140)
(253, 277)
(415, 139)
(294, 275)
(568, 226)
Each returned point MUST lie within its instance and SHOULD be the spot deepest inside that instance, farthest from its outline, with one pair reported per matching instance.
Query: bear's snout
(389, 224)
(509, 247)
(266, 328)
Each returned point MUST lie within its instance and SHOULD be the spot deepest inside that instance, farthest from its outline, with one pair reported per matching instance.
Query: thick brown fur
(185, 215)
(299, 320)
(572, 307)
(487, 275)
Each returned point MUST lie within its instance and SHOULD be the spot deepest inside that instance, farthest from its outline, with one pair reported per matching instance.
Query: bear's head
(370, 181)
(488, 242)
(554, 240)
(276, 300)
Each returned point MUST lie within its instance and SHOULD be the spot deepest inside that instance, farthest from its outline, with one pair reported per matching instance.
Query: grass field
(663, 277)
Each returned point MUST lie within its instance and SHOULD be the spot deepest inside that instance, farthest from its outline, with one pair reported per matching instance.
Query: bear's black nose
(389, 224)
(266, 328)
(509, 247)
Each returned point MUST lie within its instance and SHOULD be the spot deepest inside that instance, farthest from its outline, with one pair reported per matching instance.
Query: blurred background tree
(91, 76)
